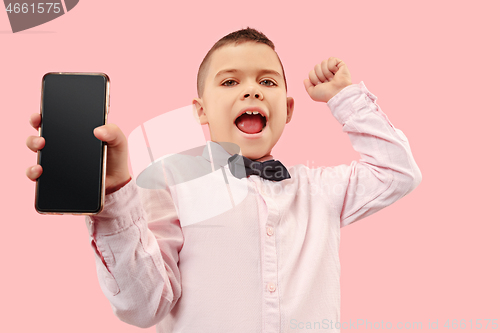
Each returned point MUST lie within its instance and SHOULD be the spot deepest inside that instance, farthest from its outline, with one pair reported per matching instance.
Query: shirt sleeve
(386, 170)
(136, 239)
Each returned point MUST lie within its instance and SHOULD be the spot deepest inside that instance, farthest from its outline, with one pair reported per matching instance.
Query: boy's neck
(265, 158)
(230, 149)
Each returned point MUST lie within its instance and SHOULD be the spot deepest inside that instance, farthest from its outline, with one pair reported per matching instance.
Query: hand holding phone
(117, 173)
(116, 166)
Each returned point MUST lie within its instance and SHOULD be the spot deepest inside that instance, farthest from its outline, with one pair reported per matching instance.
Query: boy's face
(239, 78)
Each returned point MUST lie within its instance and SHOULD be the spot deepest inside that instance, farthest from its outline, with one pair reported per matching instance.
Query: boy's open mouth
(251, 122)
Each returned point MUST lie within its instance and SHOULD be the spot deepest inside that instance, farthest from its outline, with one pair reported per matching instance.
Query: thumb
(111, 134)
(309, 86)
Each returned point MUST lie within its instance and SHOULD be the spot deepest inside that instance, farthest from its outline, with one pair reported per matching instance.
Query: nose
(252, 91)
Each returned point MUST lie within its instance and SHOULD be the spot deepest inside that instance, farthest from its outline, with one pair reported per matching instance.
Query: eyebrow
(262, 71)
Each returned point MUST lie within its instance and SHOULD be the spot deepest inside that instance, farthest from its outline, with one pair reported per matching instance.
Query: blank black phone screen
(72, 106)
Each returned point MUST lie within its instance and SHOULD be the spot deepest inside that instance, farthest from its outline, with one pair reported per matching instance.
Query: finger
(111, 134)
(308, 85)
(313, 78)
(333, 64)
(34, 172)
(35, 143)
(35, 120)
(319, 73)
(324, 67)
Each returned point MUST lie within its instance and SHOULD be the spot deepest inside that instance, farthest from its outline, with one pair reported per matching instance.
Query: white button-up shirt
(193, 251)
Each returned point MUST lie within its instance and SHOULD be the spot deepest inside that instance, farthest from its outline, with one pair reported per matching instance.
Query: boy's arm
(386, 170)
(136, 240)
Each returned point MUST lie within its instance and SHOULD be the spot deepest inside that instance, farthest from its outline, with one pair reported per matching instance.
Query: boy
(268, 263)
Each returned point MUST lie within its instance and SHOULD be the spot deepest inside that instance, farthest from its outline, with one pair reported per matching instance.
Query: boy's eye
(228, 83)
(268, 83)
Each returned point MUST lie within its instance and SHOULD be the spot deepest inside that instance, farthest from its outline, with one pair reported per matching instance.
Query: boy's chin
(252, 152)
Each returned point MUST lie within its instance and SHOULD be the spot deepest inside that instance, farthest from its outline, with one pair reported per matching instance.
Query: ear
(289, 108)
(199, 111)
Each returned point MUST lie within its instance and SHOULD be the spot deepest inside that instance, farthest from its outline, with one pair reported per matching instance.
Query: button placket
(271, 313)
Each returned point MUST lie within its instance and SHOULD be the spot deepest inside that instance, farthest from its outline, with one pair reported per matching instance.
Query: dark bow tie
(271, 169)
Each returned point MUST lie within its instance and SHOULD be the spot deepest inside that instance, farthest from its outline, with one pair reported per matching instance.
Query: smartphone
(73, 160)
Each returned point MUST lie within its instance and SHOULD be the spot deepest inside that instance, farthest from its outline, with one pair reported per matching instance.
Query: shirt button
(270, 231)
(271, 287)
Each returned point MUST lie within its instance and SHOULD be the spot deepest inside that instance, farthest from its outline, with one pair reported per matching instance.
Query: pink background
(434, 255)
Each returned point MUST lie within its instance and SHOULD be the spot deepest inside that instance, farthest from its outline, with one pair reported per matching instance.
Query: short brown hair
(236, 37)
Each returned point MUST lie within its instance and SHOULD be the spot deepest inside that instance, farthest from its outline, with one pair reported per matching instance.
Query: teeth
(254, 112)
